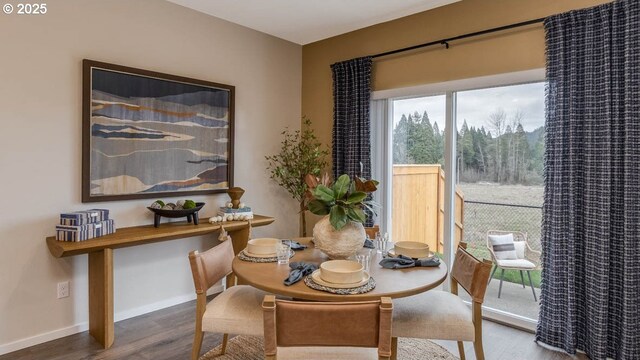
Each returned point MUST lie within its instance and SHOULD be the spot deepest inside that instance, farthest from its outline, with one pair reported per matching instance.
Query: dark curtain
(591, 216)
(351, 122)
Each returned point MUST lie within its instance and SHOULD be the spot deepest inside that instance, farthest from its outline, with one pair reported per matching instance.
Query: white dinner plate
(318, 280)
(259, 255)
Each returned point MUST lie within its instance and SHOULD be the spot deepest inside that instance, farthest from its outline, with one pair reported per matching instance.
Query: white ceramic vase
(338, 244)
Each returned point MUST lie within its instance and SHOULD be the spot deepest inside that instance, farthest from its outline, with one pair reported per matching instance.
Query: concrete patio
(514, 299)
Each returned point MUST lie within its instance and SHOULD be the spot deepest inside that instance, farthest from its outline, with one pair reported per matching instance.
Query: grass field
(480, 218)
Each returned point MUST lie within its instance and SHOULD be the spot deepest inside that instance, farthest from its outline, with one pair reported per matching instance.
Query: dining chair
(524, 257)
(304, 330)
(234, 311)
(442, 315)
(372, 231)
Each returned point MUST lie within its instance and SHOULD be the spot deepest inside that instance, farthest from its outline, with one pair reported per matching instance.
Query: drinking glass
(283, 251)
(378, 243)
(363, 257)
(386, 243)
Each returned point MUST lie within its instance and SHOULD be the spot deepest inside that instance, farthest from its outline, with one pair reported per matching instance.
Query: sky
(476, 105)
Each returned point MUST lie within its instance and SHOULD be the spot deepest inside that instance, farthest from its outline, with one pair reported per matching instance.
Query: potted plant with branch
(301, 153)
(340, 234)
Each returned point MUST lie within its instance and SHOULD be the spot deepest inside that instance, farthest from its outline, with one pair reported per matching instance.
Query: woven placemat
(370, 285)
(244, 257)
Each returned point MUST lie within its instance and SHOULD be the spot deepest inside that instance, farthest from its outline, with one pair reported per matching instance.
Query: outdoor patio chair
(524, 259)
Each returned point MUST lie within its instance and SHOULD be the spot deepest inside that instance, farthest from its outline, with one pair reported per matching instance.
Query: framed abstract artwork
(152, 135)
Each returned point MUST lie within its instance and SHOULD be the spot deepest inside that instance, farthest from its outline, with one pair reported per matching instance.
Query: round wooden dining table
(393, 283)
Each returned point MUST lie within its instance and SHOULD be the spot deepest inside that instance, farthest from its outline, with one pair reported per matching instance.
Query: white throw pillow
(503, 247)
(520, 245)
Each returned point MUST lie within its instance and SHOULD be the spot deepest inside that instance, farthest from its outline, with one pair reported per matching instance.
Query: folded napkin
(368, 243)
(299, 270)
(402, 262)
(296, 245)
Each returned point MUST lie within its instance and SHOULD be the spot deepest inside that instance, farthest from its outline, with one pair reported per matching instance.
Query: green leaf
(338, 217)
(356, 197)
(323, 193)
(318, 207)
(341, 186)
(356, 214)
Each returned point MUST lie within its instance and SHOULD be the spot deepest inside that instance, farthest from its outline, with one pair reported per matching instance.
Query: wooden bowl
(263, 246)
(412, 249)
(341, 271)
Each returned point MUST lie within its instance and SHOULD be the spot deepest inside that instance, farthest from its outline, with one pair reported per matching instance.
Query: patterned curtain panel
(591, 223)
(351, 122)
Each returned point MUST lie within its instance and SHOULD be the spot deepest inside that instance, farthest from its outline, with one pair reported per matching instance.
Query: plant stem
(303, 220)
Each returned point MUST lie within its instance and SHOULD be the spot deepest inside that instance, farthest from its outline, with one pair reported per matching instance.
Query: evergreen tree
(421, 146)
(400, 141)
(466, 144)
(503, 151)
(438, 137)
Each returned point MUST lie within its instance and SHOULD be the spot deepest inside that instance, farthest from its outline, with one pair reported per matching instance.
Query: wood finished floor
(167, 334)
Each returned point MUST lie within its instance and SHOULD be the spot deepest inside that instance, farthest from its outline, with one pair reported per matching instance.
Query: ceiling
(306, 21)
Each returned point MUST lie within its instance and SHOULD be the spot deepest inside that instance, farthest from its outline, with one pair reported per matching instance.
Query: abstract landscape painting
(152, 135)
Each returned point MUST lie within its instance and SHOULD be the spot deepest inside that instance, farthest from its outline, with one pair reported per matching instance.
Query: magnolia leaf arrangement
(300, 154)
(344, 200)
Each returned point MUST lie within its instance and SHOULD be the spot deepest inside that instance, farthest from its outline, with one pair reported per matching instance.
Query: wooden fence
(418, 206)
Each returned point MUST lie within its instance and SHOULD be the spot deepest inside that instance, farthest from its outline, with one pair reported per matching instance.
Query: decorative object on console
(224, 235)
(340, 234)
(147, 133)
(235, 193)
(233, 210)
(228, 214)
(300, 154)
(182, 208)
(84, 217)
(84, 225)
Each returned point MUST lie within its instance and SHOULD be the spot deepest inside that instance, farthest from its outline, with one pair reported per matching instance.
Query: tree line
(502, 151)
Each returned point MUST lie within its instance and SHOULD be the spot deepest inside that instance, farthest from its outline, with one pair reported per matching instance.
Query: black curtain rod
(447, 40)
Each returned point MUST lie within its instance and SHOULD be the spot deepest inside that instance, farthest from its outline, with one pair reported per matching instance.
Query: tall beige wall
(40, 142)
(515, 50)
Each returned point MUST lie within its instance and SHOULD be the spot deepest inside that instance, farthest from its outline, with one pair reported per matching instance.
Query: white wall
(40, 148)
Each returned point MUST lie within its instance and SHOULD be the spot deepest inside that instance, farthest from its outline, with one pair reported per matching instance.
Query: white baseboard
(42, 338)
(84, 326)
(145, 309)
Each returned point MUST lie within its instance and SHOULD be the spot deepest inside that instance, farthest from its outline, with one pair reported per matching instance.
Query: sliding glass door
(494, 182)
(500, 157)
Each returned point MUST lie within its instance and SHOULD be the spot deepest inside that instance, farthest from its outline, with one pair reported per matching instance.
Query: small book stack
(84, 225)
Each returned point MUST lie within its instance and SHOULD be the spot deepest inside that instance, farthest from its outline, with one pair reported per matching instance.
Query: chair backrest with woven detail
(209, 267)
(301, 324)
(372, 231)
(471, 273)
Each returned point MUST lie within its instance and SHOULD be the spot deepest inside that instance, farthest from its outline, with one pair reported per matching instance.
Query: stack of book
(84, 225)
(230, 214)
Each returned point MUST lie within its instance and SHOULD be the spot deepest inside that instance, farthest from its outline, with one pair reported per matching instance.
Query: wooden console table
(100, 251)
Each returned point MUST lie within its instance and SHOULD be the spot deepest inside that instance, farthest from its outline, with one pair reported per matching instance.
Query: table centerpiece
(340, 233)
